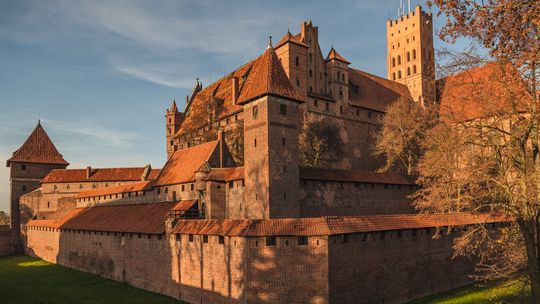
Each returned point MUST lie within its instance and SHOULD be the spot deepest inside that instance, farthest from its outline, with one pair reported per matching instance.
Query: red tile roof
(181, 166)
(226, 174)
(135, 187)
(290, 38)
(481, 92)
(98, 175)
(308, 173)
(267, 76)
(135, 218)
(38, 148)
(258, 77)
(375, 92)
(329, 225)
(333, 54)
(184, 205)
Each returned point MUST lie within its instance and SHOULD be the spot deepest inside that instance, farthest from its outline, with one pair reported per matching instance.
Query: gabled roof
(333, 54)
(38, 148)
(263, 75)
(354, 176)
(375, 92)
(98, 175)
(181, 166)
(331, 225)
(292, 39)
(134, 187)
(481, 92)
(267, 77)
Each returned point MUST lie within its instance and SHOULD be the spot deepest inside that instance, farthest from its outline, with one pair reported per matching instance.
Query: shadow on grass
(496, 292)
(28, 280)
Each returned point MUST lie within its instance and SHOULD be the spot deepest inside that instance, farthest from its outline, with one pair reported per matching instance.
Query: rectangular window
(221, 239)
(192, 187)
(302, 240)
(23, 167)
(183, 188)
(255, 143)
(283, 109)
(255, 112)
(191, 238)
(231, 184)
(205, 238)
(177, 237)
(270, 241)
(283, 141)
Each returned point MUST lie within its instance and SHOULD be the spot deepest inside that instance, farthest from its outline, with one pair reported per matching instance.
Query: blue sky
(99, 74)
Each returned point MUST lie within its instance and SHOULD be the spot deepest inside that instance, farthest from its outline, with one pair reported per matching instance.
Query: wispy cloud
(173, 75)
(89, 132)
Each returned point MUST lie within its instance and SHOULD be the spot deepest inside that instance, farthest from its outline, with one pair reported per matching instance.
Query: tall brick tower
(173, 120)
(28, 165)
(410, 59)
(271, 123)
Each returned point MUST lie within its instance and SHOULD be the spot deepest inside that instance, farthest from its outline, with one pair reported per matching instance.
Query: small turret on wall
(174, 120)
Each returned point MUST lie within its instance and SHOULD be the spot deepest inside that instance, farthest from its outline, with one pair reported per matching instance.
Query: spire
(333, 54)
(270, 43)
(267, 77)
(174, 108)
(38, 148)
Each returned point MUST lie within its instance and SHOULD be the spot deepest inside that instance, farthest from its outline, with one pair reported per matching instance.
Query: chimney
(234, 89)
(221, 139)
(146, 172)
(88, 172)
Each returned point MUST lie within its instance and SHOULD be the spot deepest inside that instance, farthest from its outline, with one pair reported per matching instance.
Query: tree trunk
(528, 230)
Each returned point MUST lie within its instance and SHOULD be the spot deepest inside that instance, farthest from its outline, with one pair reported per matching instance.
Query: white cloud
(90, 132)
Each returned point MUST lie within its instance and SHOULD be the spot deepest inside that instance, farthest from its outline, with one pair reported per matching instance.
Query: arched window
(337, 75)
(297, 61)
(414, 54)
(414, 69)
(394, 76)
(393, 61)
(169, 130)
(409, 71)
(408, 56)
(399, 74)
(398, 59)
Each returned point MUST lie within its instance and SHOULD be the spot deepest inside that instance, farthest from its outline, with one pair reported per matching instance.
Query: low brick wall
(5, 241)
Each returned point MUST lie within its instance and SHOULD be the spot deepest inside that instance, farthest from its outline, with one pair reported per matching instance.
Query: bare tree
(404, 128)
(235, 142)
(319, 140)
(484, 156)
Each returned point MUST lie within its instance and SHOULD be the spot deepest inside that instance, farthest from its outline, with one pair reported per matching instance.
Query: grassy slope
(502, 292)
(28, 280)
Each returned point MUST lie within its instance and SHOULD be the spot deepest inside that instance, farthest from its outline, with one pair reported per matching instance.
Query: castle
(234, 216)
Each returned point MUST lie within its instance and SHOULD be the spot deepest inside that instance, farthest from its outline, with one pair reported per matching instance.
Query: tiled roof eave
(298, 100)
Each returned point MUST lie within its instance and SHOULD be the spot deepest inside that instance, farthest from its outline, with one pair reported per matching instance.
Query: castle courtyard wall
(335, 198)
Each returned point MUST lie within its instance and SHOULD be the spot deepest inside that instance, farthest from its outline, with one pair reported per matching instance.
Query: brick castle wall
(393, 267)
(329, 198)
(5, 241)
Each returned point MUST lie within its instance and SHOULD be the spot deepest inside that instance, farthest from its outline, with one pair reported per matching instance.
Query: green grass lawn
(28, 280)
(501, 292)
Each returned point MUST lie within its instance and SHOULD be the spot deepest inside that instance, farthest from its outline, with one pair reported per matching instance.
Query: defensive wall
(393, 259)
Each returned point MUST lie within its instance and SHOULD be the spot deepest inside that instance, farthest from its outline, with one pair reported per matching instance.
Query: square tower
(410, 59)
